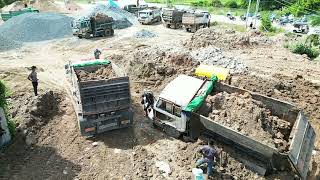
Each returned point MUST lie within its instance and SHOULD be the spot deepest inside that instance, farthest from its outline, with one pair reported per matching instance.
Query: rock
(279, 135)
(94, 144)
(314, 100)
(216, 112)
(65, 172)
(31, 139)
(164, 168)
(158, 83)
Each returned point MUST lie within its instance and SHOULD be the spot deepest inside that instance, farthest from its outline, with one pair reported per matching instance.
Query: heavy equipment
(175, 111)
(102, 104)
(96, 26)
(7, 15)
(149, 16)
(194, 21)
(172, 18)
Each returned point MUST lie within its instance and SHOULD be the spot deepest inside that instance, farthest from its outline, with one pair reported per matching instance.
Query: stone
(94, 144)
(314, 100)
(31, 139)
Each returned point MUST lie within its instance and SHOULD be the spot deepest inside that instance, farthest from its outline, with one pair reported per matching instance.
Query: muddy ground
(56, 149)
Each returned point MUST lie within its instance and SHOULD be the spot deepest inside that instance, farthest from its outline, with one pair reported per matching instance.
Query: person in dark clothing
(251, 25)
(209, 153)
(97, 54)
(34, 79)
(147, 101)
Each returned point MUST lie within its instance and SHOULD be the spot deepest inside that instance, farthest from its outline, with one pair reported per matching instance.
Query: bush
(216, 3)
(231, 4)
(266, 24)
(2, 4)
(4, 105)
(201, 3)
(301, 48)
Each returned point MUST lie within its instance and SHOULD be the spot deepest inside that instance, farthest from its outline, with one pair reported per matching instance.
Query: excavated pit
(90, 74)
(249, 117)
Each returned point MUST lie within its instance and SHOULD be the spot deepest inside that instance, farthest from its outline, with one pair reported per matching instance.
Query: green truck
(7, 15)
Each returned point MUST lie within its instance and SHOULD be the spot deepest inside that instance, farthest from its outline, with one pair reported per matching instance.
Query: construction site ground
(58, 151)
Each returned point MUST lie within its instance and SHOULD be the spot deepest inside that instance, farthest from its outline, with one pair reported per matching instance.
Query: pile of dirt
(30, 27)
(213, 56)
(47, 6)
(250, 118)
(145, 34)
(224, 39)
(122, 19)
(99, 74)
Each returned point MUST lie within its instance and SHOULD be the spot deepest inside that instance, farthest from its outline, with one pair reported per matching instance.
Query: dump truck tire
(87, 36)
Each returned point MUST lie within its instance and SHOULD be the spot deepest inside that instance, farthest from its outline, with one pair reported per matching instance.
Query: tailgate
(302, 145)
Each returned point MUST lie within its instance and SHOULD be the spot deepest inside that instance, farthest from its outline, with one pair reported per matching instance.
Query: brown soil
(99, 74)
(250, 118)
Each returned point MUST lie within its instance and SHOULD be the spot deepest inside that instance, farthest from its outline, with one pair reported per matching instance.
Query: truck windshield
(143, 14)
(169, 107)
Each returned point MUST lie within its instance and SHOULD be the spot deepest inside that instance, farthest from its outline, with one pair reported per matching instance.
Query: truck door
(302, 145)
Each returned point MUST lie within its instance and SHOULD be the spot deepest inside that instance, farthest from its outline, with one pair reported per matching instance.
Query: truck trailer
(176, 112)
(172, 18)
(101, 93)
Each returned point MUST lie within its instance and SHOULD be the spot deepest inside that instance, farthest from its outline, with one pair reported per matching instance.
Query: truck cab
(149, 16)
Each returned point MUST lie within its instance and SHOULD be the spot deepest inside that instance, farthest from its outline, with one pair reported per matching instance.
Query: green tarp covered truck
(177, 112)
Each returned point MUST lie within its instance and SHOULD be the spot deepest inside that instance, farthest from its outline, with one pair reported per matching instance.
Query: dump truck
(7, 15)
(134, 9)
(172, 18)
(176, 112)
(101, 93)
(149, 16)
(96, 26)
(194, 21)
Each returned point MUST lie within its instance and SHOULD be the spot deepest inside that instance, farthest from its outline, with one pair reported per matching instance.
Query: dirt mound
(302, 93)
(213, 56)
(99, 74)
(250, 118)
(35, 112)
(223, 39)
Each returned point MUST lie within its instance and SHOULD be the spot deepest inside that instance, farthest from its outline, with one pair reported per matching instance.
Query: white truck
(149, 16)
(171, 112)
(194, 21)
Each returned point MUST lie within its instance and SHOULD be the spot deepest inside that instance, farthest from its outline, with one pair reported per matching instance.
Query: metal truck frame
(172, 18)
(101, 105)
(173, 120)
(194, 21)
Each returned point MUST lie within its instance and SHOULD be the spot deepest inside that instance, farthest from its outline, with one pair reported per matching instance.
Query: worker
(147, 101)
(209, 153)
(97, 54)
(34, 79)
(251, 25)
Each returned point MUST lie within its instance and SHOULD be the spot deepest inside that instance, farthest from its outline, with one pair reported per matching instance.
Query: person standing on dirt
(147, 101)
(97, 54)
(251, 25)
(34, 79)
(209, 153)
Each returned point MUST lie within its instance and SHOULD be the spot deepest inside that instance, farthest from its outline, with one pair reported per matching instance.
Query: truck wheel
(167, 25)
(107, 32)
(87, 36)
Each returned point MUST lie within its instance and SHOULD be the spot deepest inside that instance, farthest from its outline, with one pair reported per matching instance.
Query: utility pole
(248, 13)
(255, 16)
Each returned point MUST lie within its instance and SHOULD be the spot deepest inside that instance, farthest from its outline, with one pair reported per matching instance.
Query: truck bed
(301, 141)
(192, 19)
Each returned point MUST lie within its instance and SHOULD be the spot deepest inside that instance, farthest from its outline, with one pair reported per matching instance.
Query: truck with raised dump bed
(172, 18)
(194, 21)
(287, 139)
(96, 26)
(101, 91)
(149, 16)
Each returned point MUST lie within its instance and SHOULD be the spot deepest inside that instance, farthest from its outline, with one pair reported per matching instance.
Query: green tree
(2, 4)
(315, 21)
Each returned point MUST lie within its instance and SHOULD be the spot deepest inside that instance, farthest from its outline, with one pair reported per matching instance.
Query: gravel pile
(7, 44)
(122, 19)
(214, 56)
(145, 34)
(30, 27)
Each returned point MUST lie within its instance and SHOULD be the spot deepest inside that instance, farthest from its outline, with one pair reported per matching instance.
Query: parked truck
(194, 21)
(149, 16)
(172, 18)
(96, 26)
(174, 111)
(7, 15)
(134, 9)
(101, 92)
